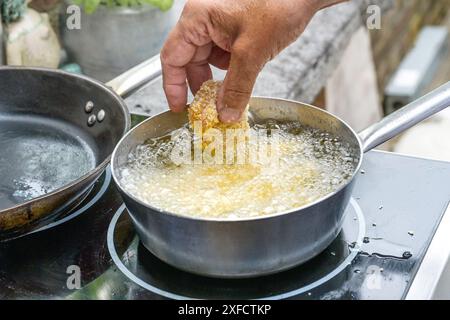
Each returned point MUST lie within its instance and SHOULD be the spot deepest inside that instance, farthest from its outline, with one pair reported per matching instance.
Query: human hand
(240, 36)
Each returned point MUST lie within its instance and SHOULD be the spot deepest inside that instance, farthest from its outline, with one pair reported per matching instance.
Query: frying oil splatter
(310, 164)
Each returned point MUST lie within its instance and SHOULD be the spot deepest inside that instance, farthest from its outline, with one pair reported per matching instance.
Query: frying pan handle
(405, 117)
(135, 78)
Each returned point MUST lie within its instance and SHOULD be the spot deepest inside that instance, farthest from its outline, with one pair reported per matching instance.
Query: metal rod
(406, 117)
(130, 81)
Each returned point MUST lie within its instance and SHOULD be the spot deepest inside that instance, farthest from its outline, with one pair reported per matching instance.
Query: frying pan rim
(249, 219)
(100, 167)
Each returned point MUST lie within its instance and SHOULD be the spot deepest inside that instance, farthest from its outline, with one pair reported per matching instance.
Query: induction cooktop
(93, 252)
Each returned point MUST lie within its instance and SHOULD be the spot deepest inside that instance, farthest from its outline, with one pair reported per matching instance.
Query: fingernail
(229, 115)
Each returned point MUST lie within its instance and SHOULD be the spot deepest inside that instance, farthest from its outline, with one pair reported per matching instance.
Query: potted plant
(114, 35)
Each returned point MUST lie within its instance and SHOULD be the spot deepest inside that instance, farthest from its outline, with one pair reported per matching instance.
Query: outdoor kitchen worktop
(301, 70)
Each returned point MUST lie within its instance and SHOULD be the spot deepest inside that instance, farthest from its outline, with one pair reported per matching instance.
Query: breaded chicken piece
(203, 109)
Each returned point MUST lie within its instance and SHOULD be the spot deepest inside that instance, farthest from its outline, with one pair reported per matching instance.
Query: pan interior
(39, 155)
(263, 110)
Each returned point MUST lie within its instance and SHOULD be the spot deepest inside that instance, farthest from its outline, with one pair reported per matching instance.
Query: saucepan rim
(257, 218)
(98, 167)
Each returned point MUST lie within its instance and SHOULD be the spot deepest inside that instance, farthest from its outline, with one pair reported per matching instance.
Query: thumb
(237, 86)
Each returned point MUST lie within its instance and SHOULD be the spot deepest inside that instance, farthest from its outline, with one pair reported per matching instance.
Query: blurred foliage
(91, 5)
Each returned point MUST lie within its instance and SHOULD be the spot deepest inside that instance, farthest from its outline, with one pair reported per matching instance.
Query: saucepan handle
(135, 78)
(405, 117)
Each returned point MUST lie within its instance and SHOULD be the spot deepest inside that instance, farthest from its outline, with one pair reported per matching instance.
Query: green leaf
(164, 5)
(90, 5)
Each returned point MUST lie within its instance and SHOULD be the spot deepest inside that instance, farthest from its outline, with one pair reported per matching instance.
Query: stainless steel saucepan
(268, 244)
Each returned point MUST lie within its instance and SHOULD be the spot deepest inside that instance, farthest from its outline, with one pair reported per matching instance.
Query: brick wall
(399, 28)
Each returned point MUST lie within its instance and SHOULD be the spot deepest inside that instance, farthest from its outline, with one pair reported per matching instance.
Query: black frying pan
(57, 133)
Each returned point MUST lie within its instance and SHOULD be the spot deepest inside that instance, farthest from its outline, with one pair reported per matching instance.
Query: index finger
(175, 55)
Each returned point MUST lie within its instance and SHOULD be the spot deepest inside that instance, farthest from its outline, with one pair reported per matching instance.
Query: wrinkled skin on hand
(238, 35)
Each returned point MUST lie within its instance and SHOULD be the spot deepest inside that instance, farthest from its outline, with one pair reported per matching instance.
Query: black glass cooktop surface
(93, 252)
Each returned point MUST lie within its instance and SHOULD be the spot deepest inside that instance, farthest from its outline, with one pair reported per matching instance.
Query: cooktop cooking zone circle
(70, 211)
(93, 195)
(152, 274)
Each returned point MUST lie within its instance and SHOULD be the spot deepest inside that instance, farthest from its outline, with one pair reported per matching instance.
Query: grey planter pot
(112, 40)
(2, 48)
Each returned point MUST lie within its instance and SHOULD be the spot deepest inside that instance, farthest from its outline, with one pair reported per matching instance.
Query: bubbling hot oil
(311, 164)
